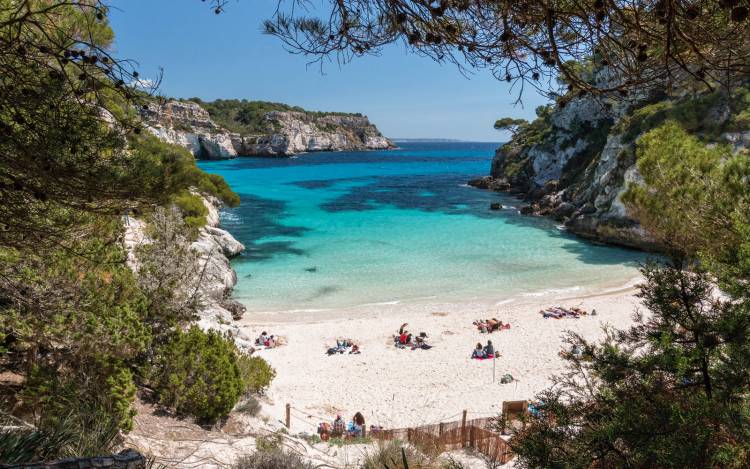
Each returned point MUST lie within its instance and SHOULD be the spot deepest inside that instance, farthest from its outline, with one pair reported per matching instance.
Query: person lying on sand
(342, 345)
(490, 325)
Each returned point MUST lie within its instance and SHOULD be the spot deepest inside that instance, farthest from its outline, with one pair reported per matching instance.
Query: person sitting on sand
(402, 338)
(262, 339)
(489, 350)
(354, 350)
(338, 427)
(358, 424)
(271, 342)
(478, 351)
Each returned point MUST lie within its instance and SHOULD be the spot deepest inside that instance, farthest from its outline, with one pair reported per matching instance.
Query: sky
(227, 56)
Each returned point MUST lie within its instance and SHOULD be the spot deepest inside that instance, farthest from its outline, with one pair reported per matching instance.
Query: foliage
(248, 117)
(694, 196)
(692, 113)
(543, 44)
(249, 405)
(667, 392)
(397, 455)
(256, 373)
(172, 170)
(168, 273)
(83, 431)
(193, 209)
(196, 373)
(272, 459)
(509, 123)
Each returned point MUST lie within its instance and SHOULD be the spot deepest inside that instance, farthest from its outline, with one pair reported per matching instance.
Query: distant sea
(332, 230)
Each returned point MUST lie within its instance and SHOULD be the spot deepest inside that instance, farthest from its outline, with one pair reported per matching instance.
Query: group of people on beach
(268, 341)
(488, 326)
(342, 346)
(481, 352)
(405, 340)
(340, 429)
(558, 312)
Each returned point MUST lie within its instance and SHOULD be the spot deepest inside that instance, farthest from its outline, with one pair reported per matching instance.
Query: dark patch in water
(257, 218)
(265, 251)
(323, 291)
(311, 269)
(327, 183)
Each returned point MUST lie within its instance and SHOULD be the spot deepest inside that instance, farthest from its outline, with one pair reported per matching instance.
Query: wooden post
(288, 415)
(472, 439)
(441, 429)
(463, 430)
(408, 435)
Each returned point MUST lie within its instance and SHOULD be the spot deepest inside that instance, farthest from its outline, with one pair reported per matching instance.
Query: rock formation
(214, 247)
(289, 132)
(575, 161)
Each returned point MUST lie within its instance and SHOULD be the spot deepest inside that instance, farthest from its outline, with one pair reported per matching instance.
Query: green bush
(197, 374)
(167, 170)
(256, 373)
(193, 209)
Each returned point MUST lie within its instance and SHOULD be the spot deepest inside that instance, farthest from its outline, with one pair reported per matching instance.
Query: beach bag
(505, 379)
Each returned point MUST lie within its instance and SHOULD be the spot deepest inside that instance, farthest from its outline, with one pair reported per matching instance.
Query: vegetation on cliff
(78, 328)
(249, 117)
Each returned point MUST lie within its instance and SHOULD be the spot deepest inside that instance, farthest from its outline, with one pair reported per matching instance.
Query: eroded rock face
(575, 168)
(299, 132)
(215, 247)
(189, 125)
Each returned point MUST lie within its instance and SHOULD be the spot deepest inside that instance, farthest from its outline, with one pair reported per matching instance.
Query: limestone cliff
(285, 133)
(575, 161)
(214, 247)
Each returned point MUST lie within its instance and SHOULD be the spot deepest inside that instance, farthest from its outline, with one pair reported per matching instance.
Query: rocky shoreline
(290, 132)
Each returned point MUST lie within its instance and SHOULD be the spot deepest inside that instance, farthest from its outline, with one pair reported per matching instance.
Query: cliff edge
(284, 132)
(577, 159)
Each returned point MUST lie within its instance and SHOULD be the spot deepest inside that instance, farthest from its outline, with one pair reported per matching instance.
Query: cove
(335, 230)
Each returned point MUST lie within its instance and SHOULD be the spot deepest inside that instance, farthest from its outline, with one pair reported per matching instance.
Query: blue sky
(226, 56)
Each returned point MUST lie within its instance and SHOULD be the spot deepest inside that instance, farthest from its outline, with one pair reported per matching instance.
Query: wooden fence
(447, 436)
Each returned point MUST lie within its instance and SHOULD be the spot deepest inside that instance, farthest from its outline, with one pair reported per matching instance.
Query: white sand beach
(396, 388)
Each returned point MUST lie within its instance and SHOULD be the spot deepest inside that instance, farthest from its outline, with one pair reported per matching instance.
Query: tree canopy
(640, 43)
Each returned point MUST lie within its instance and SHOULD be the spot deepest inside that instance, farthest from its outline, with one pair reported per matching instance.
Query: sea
(338, 230)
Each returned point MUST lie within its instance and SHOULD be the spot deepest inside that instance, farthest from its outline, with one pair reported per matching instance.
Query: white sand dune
(396, 388)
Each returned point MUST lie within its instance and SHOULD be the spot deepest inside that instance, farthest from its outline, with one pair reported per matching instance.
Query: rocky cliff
(214, 247)
(575, 161)
(285, 133)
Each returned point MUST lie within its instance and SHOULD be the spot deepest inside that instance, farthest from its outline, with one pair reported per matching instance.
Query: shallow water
(335, 230)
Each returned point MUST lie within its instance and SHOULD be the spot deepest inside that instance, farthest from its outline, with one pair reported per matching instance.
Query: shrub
(395, 455)
(256, 373)
(193, 209)
(197, 373)
(167, 170)
(275, 459)
(249, 406)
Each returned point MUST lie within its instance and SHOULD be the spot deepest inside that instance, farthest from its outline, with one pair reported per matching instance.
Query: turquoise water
(333, 230)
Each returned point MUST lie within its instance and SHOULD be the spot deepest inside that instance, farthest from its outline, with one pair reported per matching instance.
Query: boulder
(526, 210)
(235, 307)
(563, 210)
(228, 244)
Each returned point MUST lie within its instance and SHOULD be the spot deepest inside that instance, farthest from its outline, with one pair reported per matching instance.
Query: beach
(396, 388)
